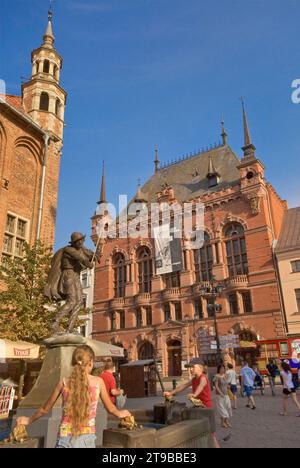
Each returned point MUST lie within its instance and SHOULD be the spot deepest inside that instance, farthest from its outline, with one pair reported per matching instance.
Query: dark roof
(188, 177)
(290, 231)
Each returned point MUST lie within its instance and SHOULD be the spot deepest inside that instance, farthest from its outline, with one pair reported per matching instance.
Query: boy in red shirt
(110, 382)
(201, 388)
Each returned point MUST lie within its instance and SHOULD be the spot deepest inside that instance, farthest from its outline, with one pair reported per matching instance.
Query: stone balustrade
(172, 294)
(117, 303)
(237, 282)
(143, 299)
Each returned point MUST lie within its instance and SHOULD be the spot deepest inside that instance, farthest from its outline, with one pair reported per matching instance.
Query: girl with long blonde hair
(80, 394)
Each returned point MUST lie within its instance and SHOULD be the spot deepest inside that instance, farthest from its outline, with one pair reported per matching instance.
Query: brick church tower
(31, 141)
(44, 100)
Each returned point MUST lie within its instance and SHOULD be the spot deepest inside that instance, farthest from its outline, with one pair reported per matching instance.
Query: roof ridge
(192, 155)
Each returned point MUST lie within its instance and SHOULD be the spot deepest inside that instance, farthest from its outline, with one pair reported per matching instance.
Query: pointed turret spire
(224, 133)
(103, 190)
(212, 175)
(140, 196)
(212, 171)
(248, 148)
(157, 161)
(49, 36)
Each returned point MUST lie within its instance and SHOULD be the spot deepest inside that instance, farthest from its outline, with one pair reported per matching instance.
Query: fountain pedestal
(56, 366)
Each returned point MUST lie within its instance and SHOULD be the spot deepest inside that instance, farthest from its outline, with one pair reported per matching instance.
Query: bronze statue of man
(64, 279)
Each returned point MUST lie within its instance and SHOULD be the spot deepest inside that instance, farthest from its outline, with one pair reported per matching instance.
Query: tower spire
(140, 196)
(103, 190)
(224, 133)
(248, 148)
(212, 171)
(157, 161)
(49, 36)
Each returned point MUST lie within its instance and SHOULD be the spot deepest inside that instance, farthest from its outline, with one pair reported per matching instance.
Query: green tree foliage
(24, 311)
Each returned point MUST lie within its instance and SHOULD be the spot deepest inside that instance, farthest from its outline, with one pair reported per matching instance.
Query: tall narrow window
(204, 261)
(119, 267)
(237, 260)
(57, 107)
(84, 280)
(178, 311)
(55, 72)
(172, 280)
(44, 102)
(113, 321)
(167, 312)
(149, 315)
(297, 292)
(145, 270)
(139, 318)
(122, 320)
(10, 224)
(210, 308)
(233, 303)
(198, 309)
(46, 68)
(247, 302)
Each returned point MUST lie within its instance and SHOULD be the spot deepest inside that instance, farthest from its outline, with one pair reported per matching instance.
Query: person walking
(110, 382)
(80, 394)
(233, 383)
(248, 378)
(222, 399)
(273, 371)
(201, 389)
(288, 388)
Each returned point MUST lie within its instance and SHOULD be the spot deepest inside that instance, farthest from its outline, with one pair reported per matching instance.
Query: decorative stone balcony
(143, 299)
(238, 282)
(117, 303)
(172, 294)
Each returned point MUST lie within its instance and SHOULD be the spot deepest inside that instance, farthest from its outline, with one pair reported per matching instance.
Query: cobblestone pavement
(263, 428)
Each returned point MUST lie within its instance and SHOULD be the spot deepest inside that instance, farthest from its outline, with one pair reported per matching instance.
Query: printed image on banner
(168, 257)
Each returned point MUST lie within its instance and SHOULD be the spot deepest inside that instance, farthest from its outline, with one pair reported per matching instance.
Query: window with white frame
(85, 280)
(15, 236)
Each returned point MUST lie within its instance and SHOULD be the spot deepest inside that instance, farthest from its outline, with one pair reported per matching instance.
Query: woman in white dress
(289, 389)
(223, 402)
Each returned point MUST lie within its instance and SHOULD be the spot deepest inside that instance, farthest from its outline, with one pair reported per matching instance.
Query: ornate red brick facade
(243, 216)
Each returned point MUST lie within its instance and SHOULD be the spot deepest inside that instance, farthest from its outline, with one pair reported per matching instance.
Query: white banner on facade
(163, 257)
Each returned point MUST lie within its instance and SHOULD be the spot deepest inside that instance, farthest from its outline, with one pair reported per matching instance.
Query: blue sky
(146, 72)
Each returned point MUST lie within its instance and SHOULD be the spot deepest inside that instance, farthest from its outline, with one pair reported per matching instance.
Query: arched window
(44, 102)
(145, 270)
(236, 252)
(57, 107)
(55, 72)
(119, 267)
(46, 68)
(146, 351)
(203, 259)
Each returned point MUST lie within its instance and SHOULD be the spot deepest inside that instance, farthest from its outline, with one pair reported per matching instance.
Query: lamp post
(213, 290)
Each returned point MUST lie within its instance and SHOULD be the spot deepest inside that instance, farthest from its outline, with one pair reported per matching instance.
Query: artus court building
(153, 315)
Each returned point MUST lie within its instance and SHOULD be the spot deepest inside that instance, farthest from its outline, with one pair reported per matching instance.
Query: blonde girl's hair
(79, 402)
